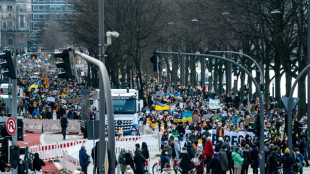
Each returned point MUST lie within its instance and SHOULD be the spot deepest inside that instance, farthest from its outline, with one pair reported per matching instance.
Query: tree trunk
(288, 83)
(193, 71)
(186, 70)
(175, 67)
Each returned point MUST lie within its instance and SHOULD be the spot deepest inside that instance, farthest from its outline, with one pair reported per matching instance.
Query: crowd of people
(216, 152)
(199, 141)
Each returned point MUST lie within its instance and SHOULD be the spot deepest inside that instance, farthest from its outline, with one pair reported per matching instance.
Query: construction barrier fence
(52, 126)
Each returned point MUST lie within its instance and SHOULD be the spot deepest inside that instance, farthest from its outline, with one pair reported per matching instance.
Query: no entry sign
(11, 126)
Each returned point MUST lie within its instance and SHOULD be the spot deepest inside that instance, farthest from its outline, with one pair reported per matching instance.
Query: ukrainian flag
(34, 85)
(187, 116)
(169, 94)
(177, 118)
(179, 96)
(160, 106)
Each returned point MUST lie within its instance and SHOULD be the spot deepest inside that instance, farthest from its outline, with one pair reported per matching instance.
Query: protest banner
(214, 104)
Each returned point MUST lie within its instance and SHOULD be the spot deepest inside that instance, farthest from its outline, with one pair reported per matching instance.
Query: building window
(10, 25)
(10, 40)
(22, 22)
(4, 25)
(9, 8)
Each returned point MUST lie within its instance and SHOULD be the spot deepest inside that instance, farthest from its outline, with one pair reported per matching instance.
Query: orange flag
(68, 88)
(46, 82)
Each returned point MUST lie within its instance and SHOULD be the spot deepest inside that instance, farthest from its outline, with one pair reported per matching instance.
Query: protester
(122, 160)
(64, 124)
(129, 170)
(37, 163)
(168, 169)
(238, 161)
(298, 160)
(139, 162)
(129, 160)
(222, 156)
(215, 164)
(287, 161)
(255, 159)
(164, 159)
(209, 152)
(185, 163)
(201, 157)
(145, 150)
(84, 159)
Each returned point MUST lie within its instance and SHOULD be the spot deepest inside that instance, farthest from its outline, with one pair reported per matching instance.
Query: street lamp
(109, 35)
(194, 20)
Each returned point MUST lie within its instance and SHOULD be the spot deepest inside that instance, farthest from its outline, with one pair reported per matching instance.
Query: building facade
(44, 11)
(15, 24)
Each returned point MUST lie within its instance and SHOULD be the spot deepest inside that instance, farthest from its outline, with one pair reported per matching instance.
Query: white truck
(126, 105)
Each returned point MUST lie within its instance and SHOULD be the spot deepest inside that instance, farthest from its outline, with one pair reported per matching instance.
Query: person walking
(255, 159)
(201, 157)
(37, 163)
(177, 147)
(129, 160)
(247, 159)
(215, 164)
(164, 159)
(209, 152)
(139, 162)
(298, 160)
(185, 163)
(122, 160)
(222, 156)
(145, 150)
(84, 159)
(64, 124)
(287, 161)
(238, 161)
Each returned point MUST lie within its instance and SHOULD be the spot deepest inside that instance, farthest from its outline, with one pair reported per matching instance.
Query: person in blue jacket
(164, 159)
(36, 112)
(84, 159)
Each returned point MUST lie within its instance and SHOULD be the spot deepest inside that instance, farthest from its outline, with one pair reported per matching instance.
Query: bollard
(199, 143)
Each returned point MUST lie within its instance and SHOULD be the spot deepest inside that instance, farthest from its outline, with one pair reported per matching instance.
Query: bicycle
(157, 166)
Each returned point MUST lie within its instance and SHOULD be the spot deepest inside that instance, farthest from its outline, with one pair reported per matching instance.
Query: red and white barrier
(53, 151)
(69, 162)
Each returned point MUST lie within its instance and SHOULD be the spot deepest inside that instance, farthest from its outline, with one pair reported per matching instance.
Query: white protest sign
(214, 104)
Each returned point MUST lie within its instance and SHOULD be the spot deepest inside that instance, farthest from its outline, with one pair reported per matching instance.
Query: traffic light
(7, 65)
(14, 156)
(20, 130)
(262, 88)
(244, 88)
(4, 150)
(65, 65)
(155, 60)
(21, 52)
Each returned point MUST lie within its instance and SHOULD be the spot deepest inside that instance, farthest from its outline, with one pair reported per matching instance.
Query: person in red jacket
(209, 152)
(201, 157)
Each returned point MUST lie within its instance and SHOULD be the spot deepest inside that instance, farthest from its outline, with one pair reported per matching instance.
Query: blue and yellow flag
(179, 96)
(161, 106)
(169, 94)
(177, 118)
(187, 116)
(34, 85)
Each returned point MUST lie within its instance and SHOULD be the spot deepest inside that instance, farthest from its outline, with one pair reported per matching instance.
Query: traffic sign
(11, 126)
(285, 101)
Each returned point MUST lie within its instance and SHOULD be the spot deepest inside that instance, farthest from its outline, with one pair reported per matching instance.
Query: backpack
(197, 161)
(123, 159)
(243, 142)
(286, 161)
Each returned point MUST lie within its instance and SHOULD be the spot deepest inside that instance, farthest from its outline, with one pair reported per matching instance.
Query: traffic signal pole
(106, 90)
(289, 108)
(14, 106)
(257, 86)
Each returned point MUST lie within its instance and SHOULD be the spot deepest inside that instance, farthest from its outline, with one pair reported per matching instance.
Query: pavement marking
(42, 136)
